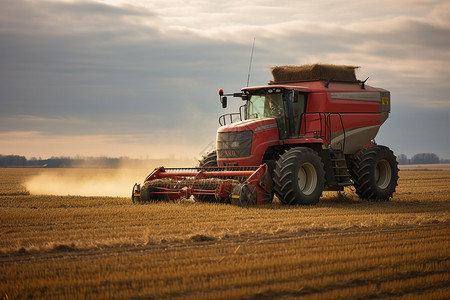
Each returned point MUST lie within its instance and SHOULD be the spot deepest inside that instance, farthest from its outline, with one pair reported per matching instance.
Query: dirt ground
(63, 246)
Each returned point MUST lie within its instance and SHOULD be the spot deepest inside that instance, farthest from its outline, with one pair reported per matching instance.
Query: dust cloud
(86, 182)
(95, 181)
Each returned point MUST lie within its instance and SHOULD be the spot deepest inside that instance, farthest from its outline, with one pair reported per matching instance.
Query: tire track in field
(72, 253)
(241, 256)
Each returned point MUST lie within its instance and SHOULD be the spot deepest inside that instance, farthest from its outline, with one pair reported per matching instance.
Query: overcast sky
(139, 78)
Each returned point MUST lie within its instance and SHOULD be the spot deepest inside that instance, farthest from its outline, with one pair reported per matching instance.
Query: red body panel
(336, 114)
(262, 139)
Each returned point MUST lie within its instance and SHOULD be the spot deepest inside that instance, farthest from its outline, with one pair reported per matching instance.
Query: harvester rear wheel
(299, 177)
(208, 160)
(375, 173)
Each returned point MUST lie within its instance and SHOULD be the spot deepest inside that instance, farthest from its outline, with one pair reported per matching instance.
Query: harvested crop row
(105, 247)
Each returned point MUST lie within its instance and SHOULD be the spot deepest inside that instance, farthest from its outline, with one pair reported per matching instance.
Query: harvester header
(207, 184)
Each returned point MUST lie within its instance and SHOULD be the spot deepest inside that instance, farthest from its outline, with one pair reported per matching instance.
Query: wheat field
(97, 247)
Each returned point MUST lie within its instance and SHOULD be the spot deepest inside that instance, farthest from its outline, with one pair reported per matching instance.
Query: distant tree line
(70, 162)
(421, 158)
(108, 162)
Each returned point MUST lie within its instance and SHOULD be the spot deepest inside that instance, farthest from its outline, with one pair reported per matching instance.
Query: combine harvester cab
(310, 130)
(238, 185)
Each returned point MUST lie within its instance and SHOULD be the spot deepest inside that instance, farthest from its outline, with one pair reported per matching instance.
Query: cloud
(130, 71)
(150, 70)
(71, 18)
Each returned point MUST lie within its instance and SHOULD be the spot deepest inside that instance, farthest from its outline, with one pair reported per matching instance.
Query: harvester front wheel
(375, 173)
(299, 177)
(208, 160)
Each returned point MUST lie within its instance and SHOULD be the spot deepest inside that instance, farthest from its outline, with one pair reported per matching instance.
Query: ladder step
(340, 168)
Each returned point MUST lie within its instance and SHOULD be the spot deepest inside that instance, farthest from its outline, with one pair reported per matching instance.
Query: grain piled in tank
(313, 72)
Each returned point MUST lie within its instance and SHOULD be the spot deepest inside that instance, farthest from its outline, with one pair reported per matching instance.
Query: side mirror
(223, 99)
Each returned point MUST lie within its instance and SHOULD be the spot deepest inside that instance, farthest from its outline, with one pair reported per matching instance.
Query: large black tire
(375, 173)
(208, 160)
(299, 177)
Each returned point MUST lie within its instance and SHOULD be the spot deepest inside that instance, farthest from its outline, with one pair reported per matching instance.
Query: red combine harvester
(311, 129)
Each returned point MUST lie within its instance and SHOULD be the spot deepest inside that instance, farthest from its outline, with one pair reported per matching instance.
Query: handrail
(328, 127)
(230, 115)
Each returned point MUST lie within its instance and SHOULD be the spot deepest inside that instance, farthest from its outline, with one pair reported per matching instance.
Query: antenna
(250, 65)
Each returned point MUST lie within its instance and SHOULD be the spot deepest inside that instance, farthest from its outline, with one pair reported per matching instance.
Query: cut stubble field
(105, 247)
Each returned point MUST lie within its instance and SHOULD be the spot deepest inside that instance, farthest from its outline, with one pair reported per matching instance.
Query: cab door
(295, 106)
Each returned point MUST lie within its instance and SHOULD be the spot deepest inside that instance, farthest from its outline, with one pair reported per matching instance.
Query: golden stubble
(56, 246)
